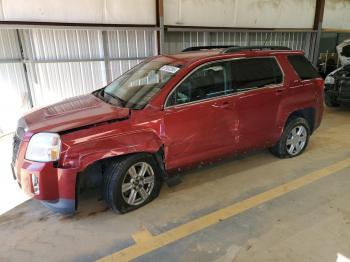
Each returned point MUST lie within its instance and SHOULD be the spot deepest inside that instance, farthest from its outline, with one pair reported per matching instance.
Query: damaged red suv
(168, 113)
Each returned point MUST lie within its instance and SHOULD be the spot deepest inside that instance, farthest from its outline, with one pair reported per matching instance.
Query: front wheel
(131, 182)
(294, 139)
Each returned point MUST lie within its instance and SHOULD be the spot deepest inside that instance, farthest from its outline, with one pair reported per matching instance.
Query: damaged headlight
(44, 147)
(329, 80)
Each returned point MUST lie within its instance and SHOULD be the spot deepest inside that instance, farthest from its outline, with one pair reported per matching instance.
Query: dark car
(337, 87)
(168, 113)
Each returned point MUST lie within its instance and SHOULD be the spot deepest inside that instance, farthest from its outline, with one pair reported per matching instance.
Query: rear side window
(303, 67)
(253, 73)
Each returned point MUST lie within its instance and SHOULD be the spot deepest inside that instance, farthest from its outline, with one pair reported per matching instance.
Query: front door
(200, 119)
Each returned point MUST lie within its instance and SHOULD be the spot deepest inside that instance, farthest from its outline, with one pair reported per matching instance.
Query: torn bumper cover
(340, 91)
(62, 206)
(344, 89)
(54, 187)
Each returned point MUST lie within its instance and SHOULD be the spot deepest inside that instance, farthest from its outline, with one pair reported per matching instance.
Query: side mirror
(154, 108)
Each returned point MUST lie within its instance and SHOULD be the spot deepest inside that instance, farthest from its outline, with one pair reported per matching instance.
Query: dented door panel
(200, 131)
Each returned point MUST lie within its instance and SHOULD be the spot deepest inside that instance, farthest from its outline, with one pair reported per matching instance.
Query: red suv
(165, 114)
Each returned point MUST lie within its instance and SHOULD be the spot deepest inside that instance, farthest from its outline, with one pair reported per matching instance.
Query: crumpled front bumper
(339, 92)
(56, 186)
(62, 206)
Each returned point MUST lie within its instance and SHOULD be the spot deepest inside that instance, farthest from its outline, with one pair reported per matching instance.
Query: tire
(283, 148)
(330, 102)
(124, 172)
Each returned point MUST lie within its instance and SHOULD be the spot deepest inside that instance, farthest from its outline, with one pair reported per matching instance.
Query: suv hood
(73, 113)
(343, 50)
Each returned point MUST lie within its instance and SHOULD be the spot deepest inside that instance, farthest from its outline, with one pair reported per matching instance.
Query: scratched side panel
(84, 147)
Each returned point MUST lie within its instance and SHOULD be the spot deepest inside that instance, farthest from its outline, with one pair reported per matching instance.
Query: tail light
(319, 92)
(320, 83)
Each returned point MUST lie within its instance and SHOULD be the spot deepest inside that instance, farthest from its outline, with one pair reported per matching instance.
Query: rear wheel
(294, 139)
(131, 182)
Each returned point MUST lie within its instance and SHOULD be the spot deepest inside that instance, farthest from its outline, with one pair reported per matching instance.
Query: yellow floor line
(144, 247)
(142, 236)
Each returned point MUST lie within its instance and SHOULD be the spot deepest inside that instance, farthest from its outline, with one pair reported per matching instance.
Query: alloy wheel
(296, 140)
(138, 183)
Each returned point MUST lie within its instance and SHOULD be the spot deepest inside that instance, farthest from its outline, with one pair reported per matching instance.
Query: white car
(337, 83)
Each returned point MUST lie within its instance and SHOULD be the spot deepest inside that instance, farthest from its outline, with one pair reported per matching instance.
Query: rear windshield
(303, 67)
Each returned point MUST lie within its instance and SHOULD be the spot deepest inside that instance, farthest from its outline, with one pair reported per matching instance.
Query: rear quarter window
(251, 73)
(303, 67)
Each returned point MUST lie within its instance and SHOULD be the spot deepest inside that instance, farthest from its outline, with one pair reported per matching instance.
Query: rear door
(200, 117)
(305, 72)
(260, 88)
(308, 86)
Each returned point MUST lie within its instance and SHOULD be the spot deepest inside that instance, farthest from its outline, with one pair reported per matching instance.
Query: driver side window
(209, 81)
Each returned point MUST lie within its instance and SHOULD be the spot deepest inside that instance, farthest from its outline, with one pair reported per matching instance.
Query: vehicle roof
(183, 58)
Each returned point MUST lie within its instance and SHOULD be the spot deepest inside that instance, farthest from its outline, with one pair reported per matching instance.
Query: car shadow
(229, 166)
(91, 202)
(245, 175)
(31, 220)
(345, 107)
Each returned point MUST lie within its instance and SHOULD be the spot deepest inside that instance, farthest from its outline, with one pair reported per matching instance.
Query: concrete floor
(311, 223)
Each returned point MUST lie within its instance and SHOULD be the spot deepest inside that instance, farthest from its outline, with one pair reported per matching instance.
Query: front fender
(83, 152)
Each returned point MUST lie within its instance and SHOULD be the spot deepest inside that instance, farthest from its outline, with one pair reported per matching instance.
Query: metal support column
(106, 57)
(30, 97)
(160, 24)
(320, 4)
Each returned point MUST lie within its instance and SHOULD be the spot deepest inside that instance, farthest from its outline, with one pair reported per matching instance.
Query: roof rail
(198, 48)
(253, 48)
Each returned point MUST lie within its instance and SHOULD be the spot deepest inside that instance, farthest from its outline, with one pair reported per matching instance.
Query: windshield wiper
(99, 94)
(121, 101)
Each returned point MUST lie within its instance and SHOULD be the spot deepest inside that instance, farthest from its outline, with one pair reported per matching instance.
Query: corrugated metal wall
(61, 63)
(139, 45)
(14, 95)
(52, 74)
(343, 36)
(176, 41)
(57, 71)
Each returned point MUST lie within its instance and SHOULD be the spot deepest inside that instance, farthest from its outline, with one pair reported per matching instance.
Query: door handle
(223, 105)
(280, 91)
(295, 82)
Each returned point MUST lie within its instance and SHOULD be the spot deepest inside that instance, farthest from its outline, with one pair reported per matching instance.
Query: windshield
(136, 87)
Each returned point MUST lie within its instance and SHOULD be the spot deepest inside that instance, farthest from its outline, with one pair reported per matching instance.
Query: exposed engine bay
(337, 83)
